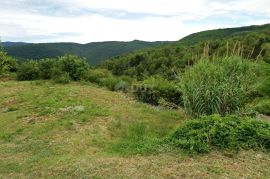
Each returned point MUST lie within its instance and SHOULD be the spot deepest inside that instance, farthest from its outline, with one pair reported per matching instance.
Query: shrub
(74, 66)
(7, 64)
(28, 71)
(230, 133)
(63, 78)
(153, 89)
(47, 68)
(110, 82)
(122, 86)
(219, 86)
(95, 75)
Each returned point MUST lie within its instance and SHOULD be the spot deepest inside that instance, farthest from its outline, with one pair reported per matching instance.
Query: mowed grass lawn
(82, 131)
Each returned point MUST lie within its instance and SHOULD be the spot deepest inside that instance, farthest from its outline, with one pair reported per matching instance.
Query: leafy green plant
(47, 68)
(28, 71)
(153, 89)
(95, 75)
(7, 63)
(217, 86)
(110, 82)
(229, 133)
(75, 66)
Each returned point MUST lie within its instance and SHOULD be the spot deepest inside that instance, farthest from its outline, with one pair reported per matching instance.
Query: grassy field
(80, 130)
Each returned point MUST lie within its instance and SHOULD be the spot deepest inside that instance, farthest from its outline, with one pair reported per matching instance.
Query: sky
(84, 21)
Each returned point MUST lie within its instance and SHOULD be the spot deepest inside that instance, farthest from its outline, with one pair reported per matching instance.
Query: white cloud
(105, 20)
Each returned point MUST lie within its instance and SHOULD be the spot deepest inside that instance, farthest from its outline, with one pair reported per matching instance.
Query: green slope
(66, 131)
(93, 52)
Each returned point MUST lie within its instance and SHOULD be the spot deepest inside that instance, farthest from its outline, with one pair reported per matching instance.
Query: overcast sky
(123, 20)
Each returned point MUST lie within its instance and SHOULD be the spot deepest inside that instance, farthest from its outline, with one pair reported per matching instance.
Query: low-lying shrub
(230, 133)
(110, 82)
(153, 89)
(95, 75)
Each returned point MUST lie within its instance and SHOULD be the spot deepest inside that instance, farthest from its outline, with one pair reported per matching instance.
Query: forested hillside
(94, 53)
(169, 60)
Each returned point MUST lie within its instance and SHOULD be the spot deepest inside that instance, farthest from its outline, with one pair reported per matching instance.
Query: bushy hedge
(153, 89)
(28, 71)
(219, 86)
(56, 69)
(230, 133)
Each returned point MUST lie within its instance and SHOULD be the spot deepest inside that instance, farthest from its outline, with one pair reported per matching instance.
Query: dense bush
(217, 86)
(75, 66)
(230, 133)
(28, 71)
(7, 63)
(153, 89)
(95, 75)
(56, 69)
(47, 68)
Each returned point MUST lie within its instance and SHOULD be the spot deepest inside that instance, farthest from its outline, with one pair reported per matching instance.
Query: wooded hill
(94, 53)
(167, 61)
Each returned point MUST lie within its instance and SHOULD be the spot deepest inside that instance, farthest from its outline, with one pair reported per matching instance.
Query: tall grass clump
(218, 86)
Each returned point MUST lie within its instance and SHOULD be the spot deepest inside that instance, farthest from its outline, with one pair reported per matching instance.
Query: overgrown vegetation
(228, 133)
(170, 60)
(218, 86)
(7, 63)
(156, 89)
(263, 106)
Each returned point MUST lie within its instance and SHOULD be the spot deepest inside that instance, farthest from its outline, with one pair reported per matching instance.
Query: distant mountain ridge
(96, 52)
(93, 52)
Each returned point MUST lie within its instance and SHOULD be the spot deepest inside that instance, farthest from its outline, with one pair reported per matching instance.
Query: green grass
(78, 130)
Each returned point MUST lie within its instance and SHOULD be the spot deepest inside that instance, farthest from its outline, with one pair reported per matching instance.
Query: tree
(7, 63)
